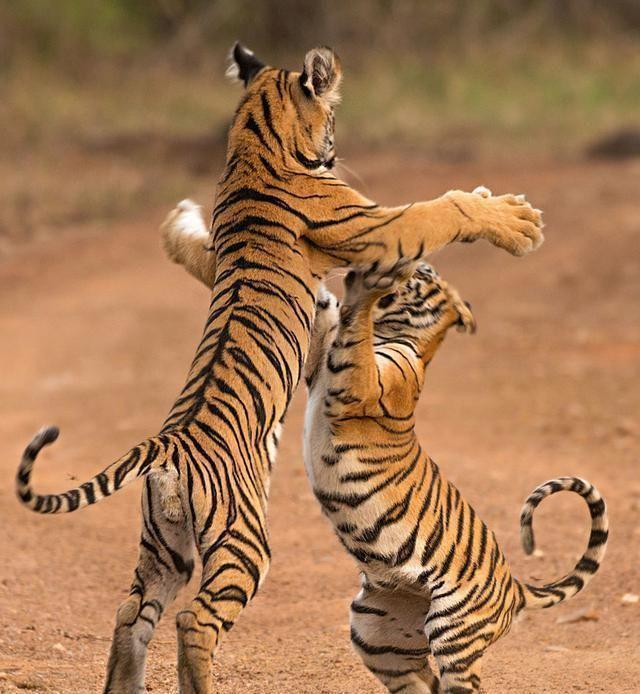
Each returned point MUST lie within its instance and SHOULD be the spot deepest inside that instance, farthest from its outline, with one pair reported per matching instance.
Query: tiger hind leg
(387, 632)
(165, 565)
(458, 646)
(465, 680)
(232, 572)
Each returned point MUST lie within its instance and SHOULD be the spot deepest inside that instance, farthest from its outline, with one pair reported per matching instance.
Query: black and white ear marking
(244, 65)
(322, 75)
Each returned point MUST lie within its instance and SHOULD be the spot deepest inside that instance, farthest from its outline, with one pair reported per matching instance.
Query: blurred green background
(111, 104)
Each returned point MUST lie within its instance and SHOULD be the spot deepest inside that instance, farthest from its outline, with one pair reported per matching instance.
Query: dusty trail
(97, 331)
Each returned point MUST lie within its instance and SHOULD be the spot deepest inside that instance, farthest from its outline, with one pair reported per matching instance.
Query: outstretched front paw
(508, 221)
(181, 226)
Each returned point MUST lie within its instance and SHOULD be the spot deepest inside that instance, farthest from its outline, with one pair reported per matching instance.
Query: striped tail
(136, 462)
(574, 582)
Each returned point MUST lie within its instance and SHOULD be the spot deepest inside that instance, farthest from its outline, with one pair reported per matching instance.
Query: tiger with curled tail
(433, 577)
(281, 220)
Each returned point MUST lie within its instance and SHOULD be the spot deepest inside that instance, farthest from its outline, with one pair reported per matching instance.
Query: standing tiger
(433, 577)
(280, 222)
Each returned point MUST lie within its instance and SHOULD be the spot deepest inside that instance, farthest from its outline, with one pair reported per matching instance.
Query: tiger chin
(433, 577)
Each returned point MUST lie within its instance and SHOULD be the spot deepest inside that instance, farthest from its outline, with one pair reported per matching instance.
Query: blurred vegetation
(68, 30)
(132, 91)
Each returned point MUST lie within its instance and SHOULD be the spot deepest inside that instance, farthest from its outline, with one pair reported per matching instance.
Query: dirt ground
(97, 331)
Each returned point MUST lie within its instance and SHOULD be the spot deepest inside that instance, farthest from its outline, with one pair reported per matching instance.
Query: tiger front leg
(373, 234)
(506, 221)
(322, 334)
(353, 387)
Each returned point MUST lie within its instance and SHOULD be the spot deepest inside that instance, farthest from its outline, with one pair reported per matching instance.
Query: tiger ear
(322, 75)
(244, 65)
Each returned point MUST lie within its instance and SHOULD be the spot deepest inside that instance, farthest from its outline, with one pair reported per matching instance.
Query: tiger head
(287, 115)
(420, 310)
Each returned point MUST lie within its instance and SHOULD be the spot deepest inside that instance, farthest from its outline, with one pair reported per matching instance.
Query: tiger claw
(482, 191)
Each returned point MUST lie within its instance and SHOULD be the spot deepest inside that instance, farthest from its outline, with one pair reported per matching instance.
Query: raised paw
(516, 226)
(523, 226)
(508, 221)
(181, 226)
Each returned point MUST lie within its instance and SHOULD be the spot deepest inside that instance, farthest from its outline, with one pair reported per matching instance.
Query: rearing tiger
(433, 577)
(280, 222)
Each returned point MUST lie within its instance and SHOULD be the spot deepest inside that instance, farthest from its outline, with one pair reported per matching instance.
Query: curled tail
(574, 582)
(138, 461)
